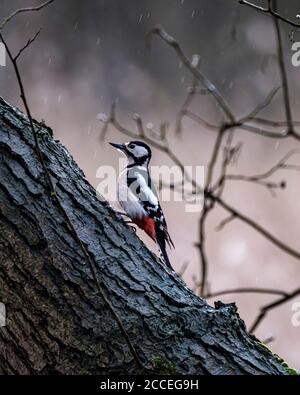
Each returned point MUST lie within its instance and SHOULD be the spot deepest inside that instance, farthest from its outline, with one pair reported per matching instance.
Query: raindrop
(149, 125)
(59, 98)
(98, 40)
(148, 15)
(102, 117)
(141, 17)
(49, 60)
(76, 26)
(210, 86)
(195, 60)
(193, 14)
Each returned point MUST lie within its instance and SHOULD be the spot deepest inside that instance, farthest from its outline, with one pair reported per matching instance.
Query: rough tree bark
(56, 321)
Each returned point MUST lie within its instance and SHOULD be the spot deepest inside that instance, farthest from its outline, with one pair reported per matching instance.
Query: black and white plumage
(137, 195)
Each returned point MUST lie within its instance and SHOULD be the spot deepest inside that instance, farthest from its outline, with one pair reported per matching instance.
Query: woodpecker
(137, 195)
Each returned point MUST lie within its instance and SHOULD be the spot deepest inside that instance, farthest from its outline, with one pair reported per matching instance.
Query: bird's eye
(131, 146)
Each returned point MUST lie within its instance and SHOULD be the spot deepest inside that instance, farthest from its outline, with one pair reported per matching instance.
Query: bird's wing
(144, 189)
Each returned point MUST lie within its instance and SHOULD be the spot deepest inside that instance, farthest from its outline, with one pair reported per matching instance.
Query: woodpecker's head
(137, 152)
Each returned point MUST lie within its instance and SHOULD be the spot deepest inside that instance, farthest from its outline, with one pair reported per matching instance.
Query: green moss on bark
(291, 371)
(163, 366)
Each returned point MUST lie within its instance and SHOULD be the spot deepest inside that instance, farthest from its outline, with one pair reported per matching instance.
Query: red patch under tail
(148, 225)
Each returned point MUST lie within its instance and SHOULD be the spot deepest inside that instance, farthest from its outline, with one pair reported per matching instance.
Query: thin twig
(22, 10)
(260, 106)
(268, 340)
(249, 128)
(192, 90)
(253, 224)
(265, 309)
(229, 154)
(160, 32)
(275, 124)
(183, 268)
(271, 12)
(187, 102)
(201, 246)
(139, 124)
(29, 42)
(260, 179)
(196, 118)
(208, 206)
(225, 222)
(268, 291)
(269, 133)
(285, 85)
(214, 156)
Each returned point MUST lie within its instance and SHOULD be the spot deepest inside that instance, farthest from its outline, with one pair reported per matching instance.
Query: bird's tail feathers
(162, 236)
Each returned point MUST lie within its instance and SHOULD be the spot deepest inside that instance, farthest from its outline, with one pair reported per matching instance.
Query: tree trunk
(56, 320)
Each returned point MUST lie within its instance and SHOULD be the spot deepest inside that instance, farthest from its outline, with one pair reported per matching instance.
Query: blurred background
(92, 53)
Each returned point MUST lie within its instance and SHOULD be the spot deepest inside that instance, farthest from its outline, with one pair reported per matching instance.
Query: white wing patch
(151, 198)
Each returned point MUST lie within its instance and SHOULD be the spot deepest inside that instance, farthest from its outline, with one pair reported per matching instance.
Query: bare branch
(265, 309)
(249, 128)
(29, 42)
(275, 124)
(267, 291)
(200, 120)
(225, 221)
(269, 133)
(253, 224)
(271, 186)
(188, 100)
(183, 268)
(139, 123)
(270, 11)
(259, 178)
(260, 106)
(229, 153)
(285, 85)
(214, 156)
(22, 10)
(268, 340)
(201, 246)
(160, 32)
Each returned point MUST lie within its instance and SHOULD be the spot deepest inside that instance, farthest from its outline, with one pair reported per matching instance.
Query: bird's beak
(120, 147)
